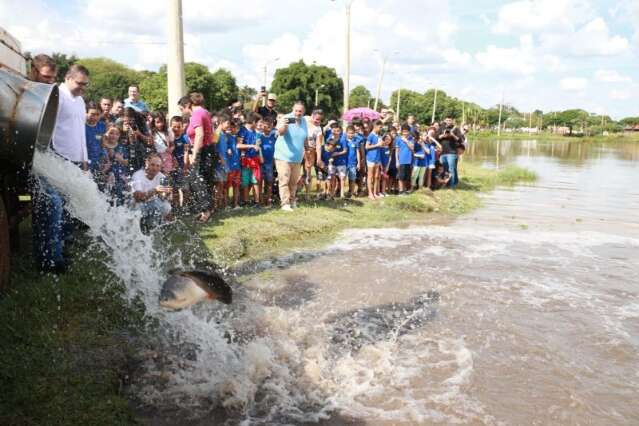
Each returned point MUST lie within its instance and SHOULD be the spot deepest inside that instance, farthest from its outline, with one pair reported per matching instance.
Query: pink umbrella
(361, 113)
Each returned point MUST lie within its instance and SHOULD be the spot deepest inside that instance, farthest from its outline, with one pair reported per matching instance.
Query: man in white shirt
(52, 225)
(150, 192)
(134, 101)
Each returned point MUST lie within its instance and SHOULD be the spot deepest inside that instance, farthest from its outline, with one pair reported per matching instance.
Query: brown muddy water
(525, 311)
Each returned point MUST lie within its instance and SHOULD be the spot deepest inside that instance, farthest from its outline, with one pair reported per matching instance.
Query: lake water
(525, 311)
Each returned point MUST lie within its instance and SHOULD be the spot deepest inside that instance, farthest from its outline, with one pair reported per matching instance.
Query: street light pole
(347, 72)
(175, 60)
(379, 83)
(501, 105)
(265, 68)
(317, 94)
(399, 96)
(434, 107)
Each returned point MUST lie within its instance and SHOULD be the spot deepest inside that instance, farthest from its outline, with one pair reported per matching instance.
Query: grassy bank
(544, 136)
(64, 343)
(250, 235)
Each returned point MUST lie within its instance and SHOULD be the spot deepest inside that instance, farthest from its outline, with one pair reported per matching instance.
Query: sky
(541, 54)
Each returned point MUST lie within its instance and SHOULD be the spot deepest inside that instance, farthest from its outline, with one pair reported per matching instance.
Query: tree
(63, 62)
(225, 90)
(108, 78)
(153, 88)
(360, 97)
(246, 94)
(298, 82)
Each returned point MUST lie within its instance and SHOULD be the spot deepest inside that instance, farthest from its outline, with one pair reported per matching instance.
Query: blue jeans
(450, 165)
(52, 225)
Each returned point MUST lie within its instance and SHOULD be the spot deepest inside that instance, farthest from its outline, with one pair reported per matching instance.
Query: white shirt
(140, 183)
(69, 137)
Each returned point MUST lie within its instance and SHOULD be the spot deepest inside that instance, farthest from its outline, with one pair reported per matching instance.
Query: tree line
(320, 86)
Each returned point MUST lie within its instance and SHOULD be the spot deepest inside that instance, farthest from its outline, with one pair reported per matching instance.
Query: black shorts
(404, 171)
(208, 158)
(392, 172)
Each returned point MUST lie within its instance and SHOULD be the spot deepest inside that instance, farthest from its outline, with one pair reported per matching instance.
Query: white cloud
(571, 84)
(541, 15)
(593, 39)
(611, 76)
(518, 60)
(620, 95)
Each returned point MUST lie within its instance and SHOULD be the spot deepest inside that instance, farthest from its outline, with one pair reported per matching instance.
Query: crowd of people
(202, 162)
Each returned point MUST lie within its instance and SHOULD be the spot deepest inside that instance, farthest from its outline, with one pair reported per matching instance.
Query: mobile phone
(290, 120)
(263, 89)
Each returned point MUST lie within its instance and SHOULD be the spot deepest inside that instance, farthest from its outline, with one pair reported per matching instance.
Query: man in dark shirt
(450, 137)
(268, 111)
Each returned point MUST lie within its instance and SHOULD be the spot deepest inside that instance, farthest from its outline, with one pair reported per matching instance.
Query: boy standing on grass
(385, 153)
(251, 161)
(420, 161)
(434, 147)
(340, 159)
(326, 169)
(353, 161)
(267, 138)
(373, 159)
(234, 174)
(404, 153)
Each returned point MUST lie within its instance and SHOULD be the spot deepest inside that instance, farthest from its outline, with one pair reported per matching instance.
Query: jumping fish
(185, 288)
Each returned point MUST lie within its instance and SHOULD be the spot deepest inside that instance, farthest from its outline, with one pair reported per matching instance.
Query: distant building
(631, 130)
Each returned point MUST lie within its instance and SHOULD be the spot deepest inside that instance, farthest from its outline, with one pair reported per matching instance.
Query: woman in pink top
(200, 133)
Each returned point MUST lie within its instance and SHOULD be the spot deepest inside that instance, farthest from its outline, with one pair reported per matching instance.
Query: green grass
(544, 136)
(64, 344)
(249, 235)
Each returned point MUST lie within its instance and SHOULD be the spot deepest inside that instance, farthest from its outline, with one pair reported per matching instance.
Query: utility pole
(530, 123)
(399, 96)
(347, 74)
(379, 83)
(501, 105)
(317, 94)
(463, 113)
(432, 120)
(175, 59)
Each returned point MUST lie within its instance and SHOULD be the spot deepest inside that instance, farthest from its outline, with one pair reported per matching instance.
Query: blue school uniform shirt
(372, 155)
(249, 137)
(432, 157)
(417, 161)
(181, 143)
(222, 150)
(339, 147)
(268, 146)
(405, 154)
(353, 147)
(384, 155)
(326, 155)
(94, 143)
(118, 169)
(234, 156)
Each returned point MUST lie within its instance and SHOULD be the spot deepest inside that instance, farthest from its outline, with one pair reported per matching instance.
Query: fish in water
(360, 327)
(185, 288)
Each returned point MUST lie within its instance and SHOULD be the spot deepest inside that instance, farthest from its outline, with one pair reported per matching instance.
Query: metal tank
(27, 117)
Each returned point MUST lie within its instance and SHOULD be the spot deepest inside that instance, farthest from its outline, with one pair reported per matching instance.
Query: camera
(263, 89)
(290, 120)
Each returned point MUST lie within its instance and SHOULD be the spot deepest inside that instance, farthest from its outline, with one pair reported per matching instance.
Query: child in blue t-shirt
(404, 147)
(233, 154)
(94, 130)
(354, 159)
(251, 166)
(386, 153)
(373, 160)
(266, 137)
(326, 168)
(420, 161)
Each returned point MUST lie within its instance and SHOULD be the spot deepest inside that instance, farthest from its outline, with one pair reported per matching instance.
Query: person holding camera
(450, 138)
(289, 152)
(151, 192)
(266, 111)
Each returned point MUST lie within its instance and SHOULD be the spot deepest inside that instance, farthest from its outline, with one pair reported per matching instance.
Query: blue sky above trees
(546, 54)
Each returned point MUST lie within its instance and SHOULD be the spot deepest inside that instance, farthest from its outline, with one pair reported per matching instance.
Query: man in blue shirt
(134, 101)
(404, 148)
